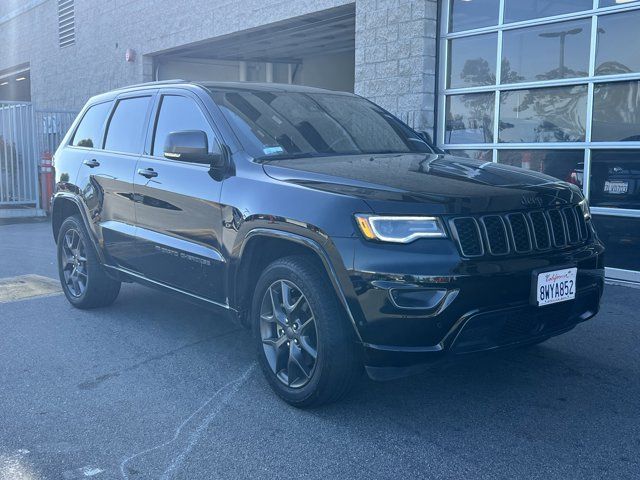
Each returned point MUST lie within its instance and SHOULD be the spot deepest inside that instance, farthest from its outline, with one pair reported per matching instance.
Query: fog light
(417, 298)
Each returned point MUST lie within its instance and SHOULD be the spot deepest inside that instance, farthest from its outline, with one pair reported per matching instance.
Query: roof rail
(149, 84)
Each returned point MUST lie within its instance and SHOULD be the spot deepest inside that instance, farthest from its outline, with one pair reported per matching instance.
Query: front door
(178, 216)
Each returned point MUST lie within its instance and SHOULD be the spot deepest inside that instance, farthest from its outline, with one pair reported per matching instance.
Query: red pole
(46, 180)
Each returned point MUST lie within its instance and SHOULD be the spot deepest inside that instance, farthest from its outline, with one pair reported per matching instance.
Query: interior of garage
(316, 50)
(15, 85)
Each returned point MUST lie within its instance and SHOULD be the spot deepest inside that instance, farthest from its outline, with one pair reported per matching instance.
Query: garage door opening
(316, 50)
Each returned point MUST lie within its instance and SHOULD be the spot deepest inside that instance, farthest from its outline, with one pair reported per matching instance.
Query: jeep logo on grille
(531, 201)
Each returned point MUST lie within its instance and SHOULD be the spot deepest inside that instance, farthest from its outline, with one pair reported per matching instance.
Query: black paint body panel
(186, 230)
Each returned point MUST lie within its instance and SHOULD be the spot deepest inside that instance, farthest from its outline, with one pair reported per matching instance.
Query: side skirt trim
(169, 287)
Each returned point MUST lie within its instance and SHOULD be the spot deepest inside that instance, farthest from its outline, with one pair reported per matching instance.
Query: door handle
(147, 172)
(92, 163)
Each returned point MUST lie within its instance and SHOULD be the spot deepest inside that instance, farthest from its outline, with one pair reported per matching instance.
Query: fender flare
(85, 219)
(322, 254)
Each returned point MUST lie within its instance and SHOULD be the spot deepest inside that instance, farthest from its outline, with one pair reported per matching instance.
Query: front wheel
(306, 346)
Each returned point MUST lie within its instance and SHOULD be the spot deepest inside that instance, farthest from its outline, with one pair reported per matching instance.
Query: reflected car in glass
(340, 236)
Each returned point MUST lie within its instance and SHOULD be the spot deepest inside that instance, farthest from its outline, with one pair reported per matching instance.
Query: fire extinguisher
(46, 180)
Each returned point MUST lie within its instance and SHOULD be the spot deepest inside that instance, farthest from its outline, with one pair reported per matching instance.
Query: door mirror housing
(426, 137)
(192, 146)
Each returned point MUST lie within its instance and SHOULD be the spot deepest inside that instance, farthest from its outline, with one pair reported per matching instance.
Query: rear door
(177, 211)
(106, 175)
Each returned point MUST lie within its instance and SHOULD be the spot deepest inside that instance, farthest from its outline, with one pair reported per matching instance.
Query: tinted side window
(127, 125)
(178, 114)
(90, 129)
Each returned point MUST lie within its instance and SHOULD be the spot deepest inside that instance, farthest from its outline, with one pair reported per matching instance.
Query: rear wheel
(83, 279)
(306, 346)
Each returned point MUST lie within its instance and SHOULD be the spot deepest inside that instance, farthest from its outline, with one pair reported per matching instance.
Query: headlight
(399, 229)
(584, 205)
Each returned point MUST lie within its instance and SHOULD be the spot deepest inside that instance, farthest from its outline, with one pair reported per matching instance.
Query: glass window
(516, 10)
(555, 114)
(466, 15)
(127, 125)
(615, 178)
(469, 118)
(483, 155)
(617, 50)
(281, 72)
(89, 131)
(621, 238)
(609, 3)
(566, 165)
(274, 124)
(616, 112)
(179, 114)
(565, 46)
(472, 61)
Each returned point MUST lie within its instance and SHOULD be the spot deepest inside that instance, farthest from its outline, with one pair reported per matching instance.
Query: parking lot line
(25, 287)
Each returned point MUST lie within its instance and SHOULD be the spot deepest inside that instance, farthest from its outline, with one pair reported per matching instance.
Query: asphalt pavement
(157, 388)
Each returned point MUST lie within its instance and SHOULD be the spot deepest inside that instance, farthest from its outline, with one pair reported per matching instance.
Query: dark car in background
(334, 231)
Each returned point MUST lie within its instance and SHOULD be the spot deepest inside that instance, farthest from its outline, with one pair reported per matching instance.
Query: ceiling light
(19, 79)
(4, 83)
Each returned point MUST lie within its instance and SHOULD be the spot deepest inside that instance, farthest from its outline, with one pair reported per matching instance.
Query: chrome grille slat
(558, 229)
(467, 233)
(573, 235)
(495, 234)
(520, 233)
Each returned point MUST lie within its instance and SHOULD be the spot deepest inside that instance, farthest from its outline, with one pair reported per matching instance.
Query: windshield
(274, 125)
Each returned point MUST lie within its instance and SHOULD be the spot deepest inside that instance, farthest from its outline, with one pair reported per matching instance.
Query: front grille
(557, 228)
(468, 235)
(520, 233)
(496, 234)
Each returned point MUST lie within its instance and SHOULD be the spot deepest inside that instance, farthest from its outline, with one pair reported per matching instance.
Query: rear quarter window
(89, 131)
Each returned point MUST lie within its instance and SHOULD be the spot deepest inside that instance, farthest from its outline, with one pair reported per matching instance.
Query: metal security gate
(28, 140)
(51, 128)
(18, 157)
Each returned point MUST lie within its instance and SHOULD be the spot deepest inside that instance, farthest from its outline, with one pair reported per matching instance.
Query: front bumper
(481, 304)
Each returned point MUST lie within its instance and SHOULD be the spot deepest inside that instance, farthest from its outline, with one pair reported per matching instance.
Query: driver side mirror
(426, 137)
(192, 146)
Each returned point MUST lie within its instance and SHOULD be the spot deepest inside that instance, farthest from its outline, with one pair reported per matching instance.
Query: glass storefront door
(553, 87)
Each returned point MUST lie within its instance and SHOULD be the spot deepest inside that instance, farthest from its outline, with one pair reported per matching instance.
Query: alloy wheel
(74, 263)
(289, 334)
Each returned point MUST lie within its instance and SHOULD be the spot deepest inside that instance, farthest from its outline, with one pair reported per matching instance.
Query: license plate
(556, 286)
(616, 187)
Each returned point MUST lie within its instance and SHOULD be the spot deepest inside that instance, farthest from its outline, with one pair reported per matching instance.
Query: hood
(421, 184)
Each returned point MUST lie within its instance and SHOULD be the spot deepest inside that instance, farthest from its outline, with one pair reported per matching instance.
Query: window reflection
(616, 112)
(543, 115)
(516, 10)
(466, 15)
(609, 3)
(621, 237)
(482, 155)
(615, 178)
(469, 118)
(472, 61)
(617, 50)
(566, 165)
(566, 48)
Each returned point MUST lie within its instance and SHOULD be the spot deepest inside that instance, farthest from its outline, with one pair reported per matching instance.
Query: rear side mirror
(191, 146)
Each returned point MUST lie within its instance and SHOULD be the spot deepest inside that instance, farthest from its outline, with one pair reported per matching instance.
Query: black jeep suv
(318, 219)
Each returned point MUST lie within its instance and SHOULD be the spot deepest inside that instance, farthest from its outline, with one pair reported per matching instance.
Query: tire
(307, 382)
(77, 258)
